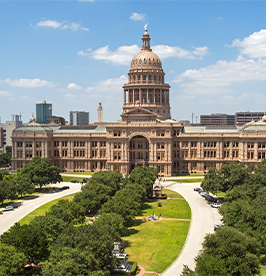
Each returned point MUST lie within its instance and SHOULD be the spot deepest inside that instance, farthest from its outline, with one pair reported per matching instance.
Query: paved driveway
(203, 219)
(8, 219)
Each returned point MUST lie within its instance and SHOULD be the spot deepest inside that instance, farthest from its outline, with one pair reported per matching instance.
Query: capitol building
(146, 135)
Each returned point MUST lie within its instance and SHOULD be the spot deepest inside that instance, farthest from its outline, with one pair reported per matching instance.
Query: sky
(75, 54)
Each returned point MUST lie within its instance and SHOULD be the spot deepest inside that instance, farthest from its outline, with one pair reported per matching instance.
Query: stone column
(161, 96)
(125, 96)
(98, 149)
(140, 96)
(256, 151)
(133, 98)
(43, 149)
(23, 149)
(33, 148)
(60, 149)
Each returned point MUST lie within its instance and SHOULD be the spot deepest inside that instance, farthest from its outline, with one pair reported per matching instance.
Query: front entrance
(138, 152)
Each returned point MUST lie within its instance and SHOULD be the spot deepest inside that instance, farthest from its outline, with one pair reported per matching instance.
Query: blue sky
(76, 54)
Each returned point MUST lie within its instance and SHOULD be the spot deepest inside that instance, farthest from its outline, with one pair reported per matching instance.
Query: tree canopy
(41, 171)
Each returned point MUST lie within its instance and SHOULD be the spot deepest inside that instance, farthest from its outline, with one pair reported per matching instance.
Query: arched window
(144, 77)
(138, 77)
(155, 78)
(149, 77)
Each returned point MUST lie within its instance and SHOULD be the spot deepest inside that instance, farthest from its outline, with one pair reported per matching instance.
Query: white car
(216, 205)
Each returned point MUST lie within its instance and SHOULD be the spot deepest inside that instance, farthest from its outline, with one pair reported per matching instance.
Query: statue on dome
(146, 26)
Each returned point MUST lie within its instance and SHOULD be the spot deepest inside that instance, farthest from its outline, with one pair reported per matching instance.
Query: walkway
(8, 219)
(203, 219)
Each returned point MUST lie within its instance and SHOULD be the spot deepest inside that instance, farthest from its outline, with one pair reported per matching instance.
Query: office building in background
(79, 118)
(43, 112)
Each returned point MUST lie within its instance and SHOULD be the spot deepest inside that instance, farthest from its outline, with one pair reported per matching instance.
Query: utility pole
(192, 117)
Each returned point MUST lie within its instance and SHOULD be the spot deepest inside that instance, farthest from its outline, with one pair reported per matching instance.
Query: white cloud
(217, 78)
(253, 46)
(82, 53)
(137, 16)
(124, 54)
(5, 94)
(73, 26)
(165, 51)
(49, 23)
(73, 86)
(121, 56)
(110, 85)
(29, 83)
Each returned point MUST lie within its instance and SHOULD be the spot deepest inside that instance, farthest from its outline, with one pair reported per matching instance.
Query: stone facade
(145, 134)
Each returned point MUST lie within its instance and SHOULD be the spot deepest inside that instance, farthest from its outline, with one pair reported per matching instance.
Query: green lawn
(186, 180)
(155, 245)
(42, 209)
(188, 175)
(171, 193)
(70, 178)
(78, 173)
(263, 270)
(171, 208)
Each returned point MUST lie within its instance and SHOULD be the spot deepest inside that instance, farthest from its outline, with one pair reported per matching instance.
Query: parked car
(216, 205)
(217, 226)
(203, 194)
(8, 208)
(200, 191)
(74, 181)
(64, 188)
(197, 189)
(210, 198)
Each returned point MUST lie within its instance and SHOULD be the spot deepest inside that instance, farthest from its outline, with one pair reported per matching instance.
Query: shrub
(159, 204)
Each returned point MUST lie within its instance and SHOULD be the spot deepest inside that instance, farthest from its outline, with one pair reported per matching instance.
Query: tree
(51, 225)
(67, 261)
(28, 239)
(41, 171)
(4, 160)
(212, 181)
(68, 211)
(228, 252)
(144, 176)
(11, 260)
(23, 184)
(7, 190)
(90, 246)
(111, 179)
(127, 207)
(92, 196)
(3, 173)
(234, 174)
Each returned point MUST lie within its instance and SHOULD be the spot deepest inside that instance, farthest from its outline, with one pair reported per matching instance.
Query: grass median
(42, 209)
(155, 245)
(186, 180)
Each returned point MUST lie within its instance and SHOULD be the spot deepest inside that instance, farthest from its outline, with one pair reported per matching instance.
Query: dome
(146, 58)
(263, 118)
(32, 119)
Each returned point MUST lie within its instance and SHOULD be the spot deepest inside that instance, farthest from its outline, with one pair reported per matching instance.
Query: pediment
(137, 111)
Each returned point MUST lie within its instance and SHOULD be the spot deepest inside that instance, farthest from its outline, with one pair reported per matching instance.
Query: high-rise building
(217, 119)
(43, 112)
(10, 126)
(100, 113)
(242, 118)
(79, 118)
